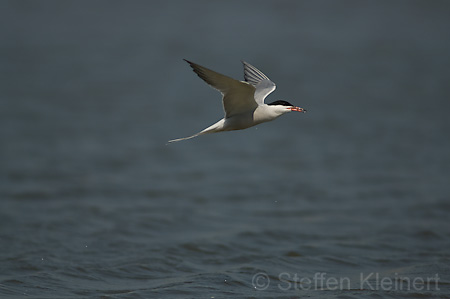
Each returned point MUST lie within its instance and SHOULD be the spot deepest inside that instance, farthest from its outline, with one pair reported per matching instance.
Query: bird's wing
(260, 81)
(237, 96)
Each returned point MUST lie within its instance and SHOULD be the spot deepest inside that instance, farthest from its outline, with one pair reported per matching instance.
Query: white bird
(243, 101)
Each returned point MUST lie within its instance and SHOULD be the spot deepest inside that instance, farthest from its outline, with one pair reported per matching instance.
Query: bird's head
(284, 107)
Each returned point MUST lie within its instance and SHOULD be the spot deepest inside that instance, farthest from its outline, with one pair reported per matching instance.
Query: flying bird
(243, 101)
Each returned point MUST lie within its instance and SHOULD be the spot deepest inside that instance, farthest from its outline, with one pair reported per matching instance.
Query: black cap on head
(281, 103)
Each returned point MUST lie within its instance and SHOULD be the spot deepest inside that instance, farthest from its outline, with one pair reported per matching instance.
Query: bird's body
(243, 101)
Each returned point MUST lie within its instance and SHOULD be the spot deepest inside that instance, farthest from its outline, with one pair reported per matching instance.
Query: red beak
(298, 109)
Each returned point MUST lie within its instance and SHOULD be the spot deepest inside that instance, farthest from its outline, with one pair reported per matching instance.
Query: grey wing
(260, 81)
(237, 96)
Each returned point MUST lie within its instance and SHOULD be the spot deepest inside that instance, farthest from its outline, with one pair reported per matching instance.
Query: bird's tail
(185, 138)
(217, 127)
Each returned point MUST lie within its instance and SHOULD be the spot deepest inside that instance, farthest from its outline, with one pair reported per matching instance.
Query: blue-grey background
(94, 203)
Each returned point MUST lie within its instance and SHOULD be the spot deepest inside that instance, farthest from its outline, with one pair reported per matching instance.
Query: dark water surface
(350, 200)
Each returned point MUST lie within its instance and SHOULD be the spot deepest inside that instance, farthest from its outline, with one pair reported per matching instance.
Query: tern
(243, 101)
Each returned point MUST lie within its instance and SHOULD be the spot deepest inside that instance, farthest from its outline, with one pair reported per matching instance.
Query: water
(350, 200)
